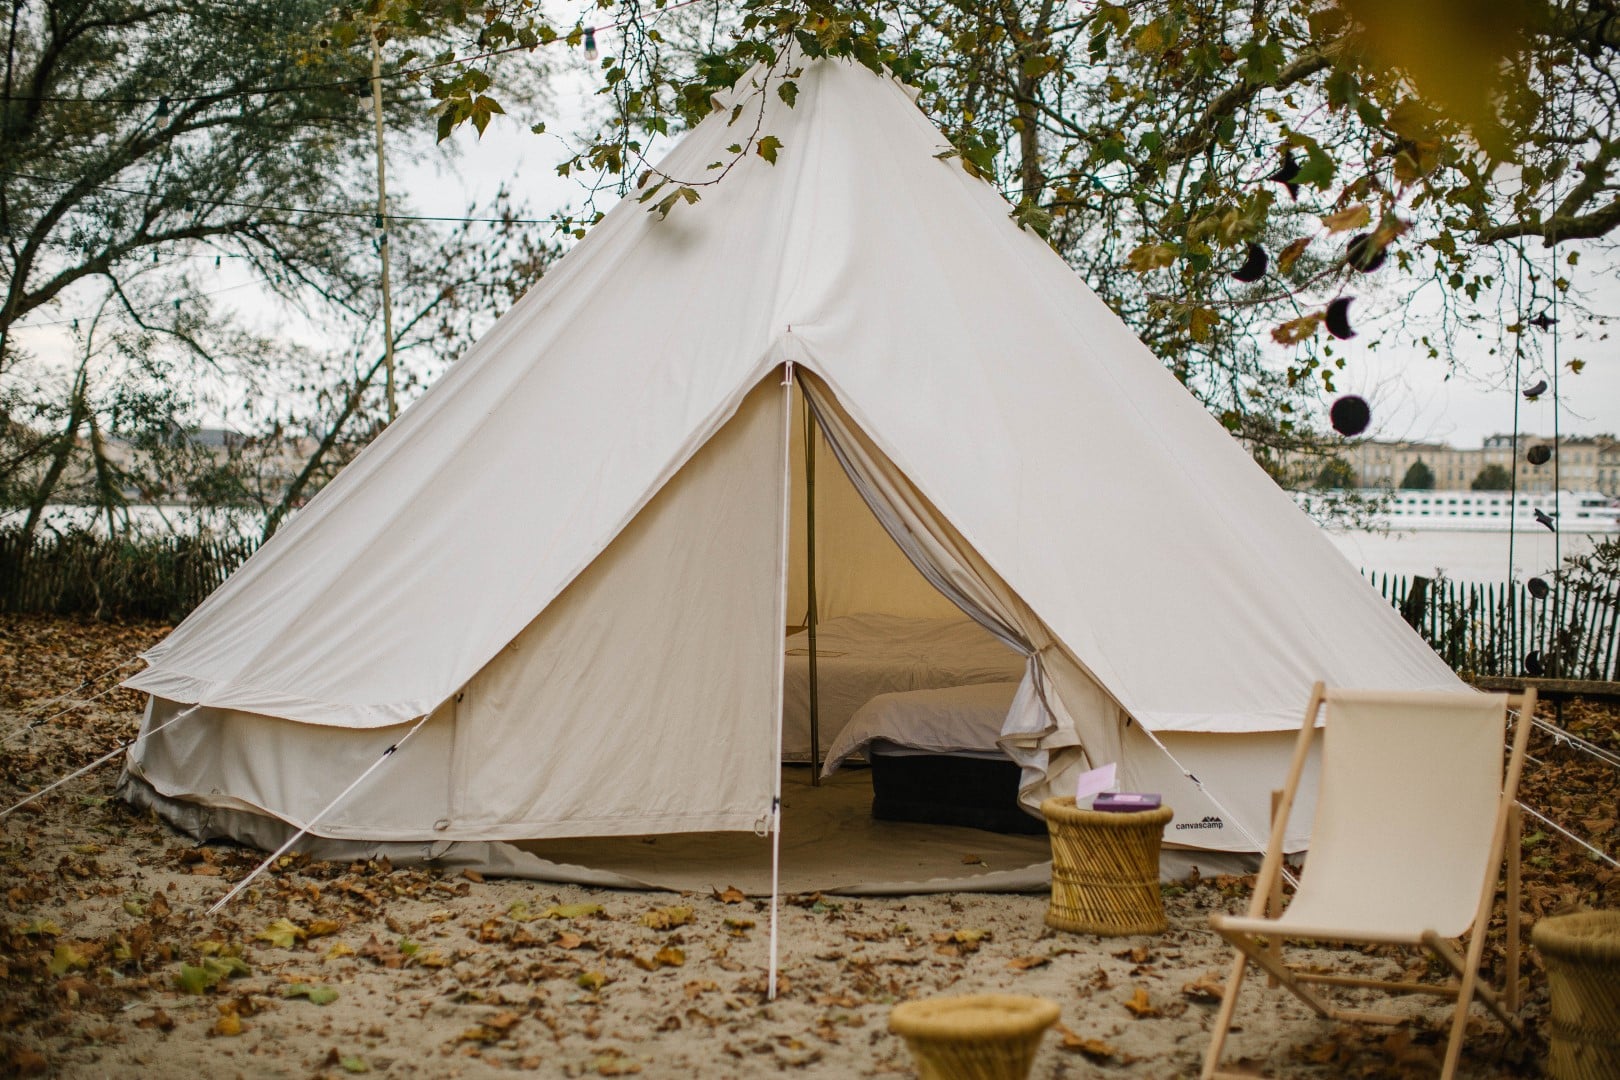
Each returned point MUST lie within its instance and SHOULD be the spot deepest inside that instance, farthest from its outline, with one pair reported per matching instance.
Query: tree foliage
(154, 157)
(1492, 477)
(1157, 143)
(1336, 474)
(1419, 477)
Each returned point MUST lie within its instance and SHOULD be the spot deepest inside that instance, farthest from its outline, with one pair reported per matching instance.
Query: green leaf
(66, 958)
(354, 1064)
(193, 980)
(788, 92)
(317, 995)
(767, 148)
(283, 934)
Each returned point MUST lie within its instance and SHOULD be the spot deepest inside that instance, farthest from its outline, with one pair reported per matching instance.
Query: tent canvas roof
(1164, 559)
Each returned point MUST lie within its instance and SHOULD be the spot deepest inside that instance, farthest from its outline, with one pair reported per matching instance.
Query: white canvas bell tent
(572, 554)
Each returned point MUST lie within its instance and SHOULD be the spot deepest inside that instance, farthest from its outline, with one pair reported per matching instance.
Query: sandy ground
(109, 965)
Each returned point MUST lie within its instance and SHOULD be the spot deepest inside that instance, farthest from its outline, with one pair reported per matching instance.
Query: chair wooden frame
(1265, 950)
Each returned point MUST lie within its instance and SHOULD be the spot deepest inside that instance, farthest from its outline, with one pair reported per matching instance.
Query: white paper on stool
(1094, 783)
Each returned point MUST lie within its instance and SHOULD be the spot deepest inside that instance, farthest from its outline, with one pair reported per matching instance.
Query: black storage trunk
(939, 789)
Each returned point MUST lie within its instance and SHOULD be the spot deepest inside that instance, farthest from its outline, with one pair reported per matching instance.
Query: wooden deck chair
(1413, 813)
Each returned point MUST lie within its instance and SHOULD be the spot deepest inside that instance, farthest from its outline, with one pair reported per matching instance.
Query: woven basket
(1105, 869)
(975, 1037)
(1582, 952)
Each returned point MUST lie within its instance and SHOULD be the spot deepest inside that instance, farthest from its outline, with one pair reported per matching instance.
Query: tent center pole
(810, 585)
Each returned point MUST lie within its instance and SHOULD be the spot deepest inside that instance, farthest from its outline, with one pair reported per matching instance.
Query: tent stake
(102, 760)
(282, 850)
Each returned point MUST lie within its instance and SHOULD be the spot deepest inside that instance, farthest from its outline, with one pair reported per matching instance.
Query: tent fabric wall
(1104, 517)
(664, 650)
(858, 567)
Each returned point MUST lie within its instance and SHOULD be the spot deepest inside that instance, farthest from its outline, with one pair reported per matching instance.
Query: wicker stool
(976, 1037)
(1105, 869)
(1582, 952)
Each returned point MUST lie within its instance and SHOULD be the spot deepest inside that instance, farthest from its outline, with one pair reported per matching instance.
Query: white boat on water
(1575, 513)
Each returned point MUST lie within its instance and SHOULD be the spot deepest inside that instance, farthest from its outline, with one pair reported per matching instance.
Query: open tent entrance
(628, 735)
(871, 625)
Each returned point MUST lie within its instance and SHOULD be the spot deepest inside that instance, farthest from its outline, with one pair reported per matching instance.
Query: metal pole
(382, 221)
(810, 572)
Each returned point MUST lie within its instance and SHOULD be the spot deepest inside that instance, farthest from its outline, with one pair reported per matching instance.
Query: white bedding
(862, 656)
(964, 721)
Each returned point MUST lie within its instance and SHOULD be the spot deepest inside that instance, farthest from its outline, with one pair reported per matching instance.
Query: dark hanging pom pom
(1363, 253)
(1350, 416)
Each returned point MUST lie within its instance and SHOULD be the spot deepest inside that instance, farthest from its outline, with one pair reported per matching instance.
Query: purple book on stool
(1125, 801)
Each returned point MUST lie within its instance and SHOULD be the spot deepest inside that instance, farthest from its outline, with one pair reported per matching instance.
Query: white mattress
(862, 656)
(964, 721)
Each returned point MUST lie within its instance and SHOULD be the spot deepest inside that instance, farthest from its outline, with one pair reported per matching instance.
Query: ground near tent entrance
(829, 842)
(338, 969)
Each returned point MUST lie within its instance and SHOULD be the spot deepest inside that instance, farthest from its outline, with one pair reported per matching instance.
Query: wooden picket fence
(1479, 629)
(1502, 630)
(79, 573)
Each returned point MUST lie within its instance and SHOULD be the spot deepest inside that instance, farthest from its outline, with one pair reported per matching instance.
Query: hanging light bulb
(590, 43)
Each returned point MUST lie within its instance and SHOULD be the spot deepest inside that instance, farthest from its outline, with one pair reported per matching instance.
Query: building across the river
(1587, 463)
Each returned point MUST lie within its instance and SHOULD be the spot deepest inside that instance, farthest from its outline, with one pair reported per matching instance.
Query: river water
(1459, 555)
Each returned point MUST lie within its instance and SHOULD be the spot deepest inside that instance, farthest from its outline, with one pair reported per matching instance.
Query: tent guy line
(43, 720)
(121, 748)
(41, 706)
(1553, 825)
(1237, 823)
(299, 835)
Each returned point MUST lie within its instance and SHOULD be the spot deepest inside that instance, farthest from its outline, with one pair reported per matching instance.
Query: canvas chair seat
(1412, 825)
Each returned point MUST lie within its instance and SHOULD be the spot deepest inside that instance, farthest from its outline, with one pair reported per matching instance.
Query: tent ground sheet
(830, 843)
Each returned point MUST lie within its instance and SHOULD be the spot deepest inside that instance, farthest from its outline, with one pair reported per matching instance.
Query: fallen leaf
(1207, 987)
(590, 980)
(1024, 963)
(283, 934)
(228, 1024)
(66, 958)
(323, 928)
(570, 911)
(972, 860)
(667, 918)
(159, 1019)
(1095, 1049)
(1141, 1005)
(317, 995)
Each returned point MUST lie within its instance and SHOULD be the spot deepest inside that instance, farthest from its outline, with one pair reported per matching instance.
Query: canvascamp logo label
(1210, 822)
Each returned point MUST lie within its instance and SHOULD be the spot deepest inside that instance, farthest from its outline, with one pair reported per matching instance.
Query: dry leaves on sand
(1141, 1005)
